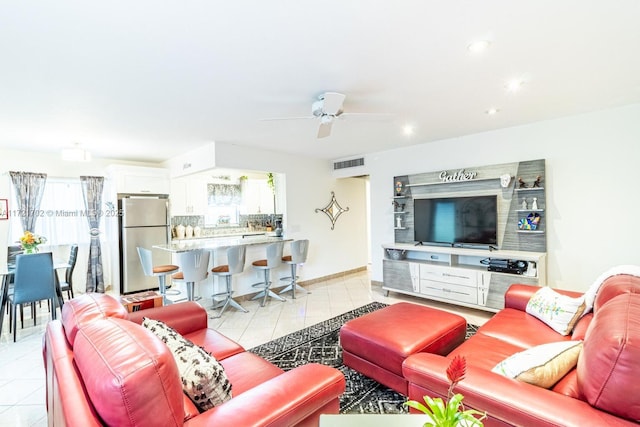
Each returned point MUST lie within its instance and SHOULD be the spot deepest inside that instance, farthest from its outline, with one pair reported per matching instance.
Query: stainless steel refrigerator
(144, 221)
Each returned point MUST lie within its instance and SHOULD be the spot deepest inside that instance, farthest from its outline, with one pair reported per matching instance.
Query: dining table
(6, 271)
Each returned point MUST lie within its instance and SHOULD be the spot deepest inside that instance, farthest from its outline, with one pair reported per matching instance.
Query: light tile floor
(22, 392)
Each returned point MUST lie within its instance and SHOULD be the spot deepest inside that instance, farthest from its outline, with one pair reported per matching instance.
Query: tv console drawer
(449, 291)
(449, 275)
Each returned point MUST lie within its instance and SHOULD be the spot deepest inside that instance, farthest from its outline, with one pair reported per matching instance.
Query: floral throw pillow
(558, 311)
(203, 377)
(542, 365)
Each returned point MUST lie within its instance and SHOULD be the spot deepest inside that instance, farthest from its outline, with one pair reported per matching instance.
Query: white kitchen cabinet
(188, 196)
(139, 180)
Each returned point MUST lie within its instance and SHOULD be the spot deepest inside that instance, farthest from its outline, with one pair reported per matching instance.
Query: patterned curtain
(92, 193)
(223, 194)
(29, 188)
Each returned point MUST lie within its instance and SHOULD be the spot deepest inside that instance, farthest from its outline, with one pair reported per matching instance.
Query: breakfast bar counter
(218, 243)
(242, 282)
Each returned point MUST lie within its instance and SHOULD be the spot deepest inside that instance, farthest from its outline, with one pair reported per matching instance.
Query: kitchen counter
(184, 245)
(243, 282)
(224, 236)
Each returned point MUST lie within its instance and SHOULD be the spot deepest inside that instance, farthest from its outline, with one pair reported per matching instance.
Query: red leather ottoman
(377, 343)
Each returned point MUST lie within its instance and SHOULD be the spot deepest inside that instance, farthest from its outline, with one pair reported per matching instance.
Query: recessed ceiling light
(514, 85)
(408, 130)
(492, 111)
(478, 46)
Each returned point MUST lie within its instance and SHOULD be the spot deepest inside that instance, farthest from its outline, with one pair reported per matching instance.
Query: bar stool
(194, 266)
(273, 260)
(235, 265)
(299, 249)
(159, 271)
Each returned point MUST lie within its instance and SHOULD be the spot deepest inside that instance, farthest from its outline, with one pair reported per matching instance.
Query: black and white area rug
(319, 343)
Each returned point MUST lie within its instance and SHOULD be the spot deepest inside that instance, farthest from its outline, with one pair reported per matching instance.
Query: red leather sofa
(602, 390)
(104, 368)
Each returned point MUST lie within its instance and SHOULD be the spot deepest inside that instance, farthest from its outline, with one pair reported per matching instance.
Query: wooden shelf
(421, 184)
(531, 231)
(529, 210)
(529, 189)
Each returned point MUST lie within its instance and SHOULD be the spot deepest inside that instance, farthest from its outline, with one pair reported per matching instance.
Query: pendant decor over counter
(333, 210)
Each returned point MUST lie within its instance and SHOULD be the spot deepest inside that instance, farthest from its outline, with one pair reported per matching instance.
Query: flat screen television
(456, 220)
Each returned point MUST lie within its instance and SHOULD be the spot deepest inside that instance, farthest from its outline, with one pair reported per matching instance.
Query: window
(62, 218)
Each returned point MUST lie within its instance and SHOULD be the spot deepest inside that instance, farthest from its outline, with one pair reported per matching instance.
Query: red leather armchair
(103, 368)
(600, 391)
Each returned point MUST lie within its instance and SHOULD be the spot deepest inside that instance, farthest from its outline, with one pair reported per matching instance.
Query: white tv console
(456, 275)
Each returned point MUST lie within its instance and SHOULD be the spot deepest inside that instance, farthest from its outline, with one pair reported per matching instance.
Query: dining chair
(33, 281)
(67, 285)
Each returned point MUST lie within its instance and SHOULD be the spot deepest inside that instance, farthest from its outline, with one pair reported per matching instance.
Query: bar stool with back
(299, 250)
(273, 260)
(159, 271)
(194, 266)
(235, 265)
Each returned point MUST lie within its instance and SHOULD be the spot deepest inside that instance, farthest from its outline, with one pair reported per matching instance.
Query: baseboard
(332, 276)
(304, 283)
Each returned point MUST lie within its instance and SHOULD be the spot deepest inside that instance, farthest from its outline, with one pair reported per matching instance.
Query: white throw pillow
(558, 311)
(203, 377)
(543, 365)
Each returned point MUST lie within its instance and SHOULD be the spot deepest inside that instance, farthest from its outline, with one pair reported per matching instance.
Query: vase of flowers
(450, 413)
(30, 242)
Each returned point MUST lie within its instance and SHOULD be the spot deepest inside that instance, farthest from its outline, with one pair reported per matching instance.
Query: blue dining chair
(33, 281)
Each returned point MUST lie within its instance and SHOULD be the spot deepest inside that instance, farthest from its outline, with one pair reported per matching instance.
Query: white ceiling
(145, 80)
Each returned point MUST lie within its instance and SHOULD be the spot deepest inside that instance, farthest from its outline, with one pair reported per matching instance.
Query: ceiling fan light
(75, 155)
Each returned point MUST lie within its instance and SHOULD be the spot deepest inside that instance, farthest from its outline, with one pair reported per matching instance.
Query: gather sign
(457, 176)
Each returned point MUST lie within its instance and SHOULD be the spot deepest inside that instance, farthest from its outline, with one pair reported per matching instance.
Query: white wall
(592, 182)
(309, 183)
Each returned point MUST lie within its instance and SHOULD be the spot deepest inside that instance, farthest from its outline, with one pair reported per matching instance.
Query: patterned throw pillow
(203, 377)
(543, 365)
(558, 311)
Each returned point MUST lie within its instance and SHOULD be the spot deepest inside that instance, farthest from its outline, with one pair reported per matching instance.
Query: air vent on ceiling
(348, 163)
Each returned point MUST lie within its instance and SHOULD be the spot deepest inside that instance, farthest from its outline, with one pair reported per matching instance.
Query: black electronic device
(456, 220)
(511, 266)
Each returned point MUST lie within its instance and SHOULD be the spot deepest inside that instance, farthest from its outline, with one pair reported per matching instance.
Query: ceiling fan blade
(368, 116)
(325, 129)
(268, 119)
(332, 103)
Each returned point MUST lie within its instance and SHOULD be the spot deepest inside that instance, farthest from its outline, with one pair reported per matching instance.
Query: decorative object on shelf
(180, 231)
(188, 231)
(522, 183)
(333, 210)
(530, 222)
(398, 207)
(398, 188)
(396, 254)
(536, 183)
(30, 242)
(505, 180)
(197, 231)
(451, 412)
(278, 229)
(399, 222)
(534, 205)
(524, 203)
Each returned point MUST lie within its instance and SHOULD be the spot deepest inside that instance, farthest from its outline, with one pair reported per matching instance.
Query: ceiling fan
(327, 108)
